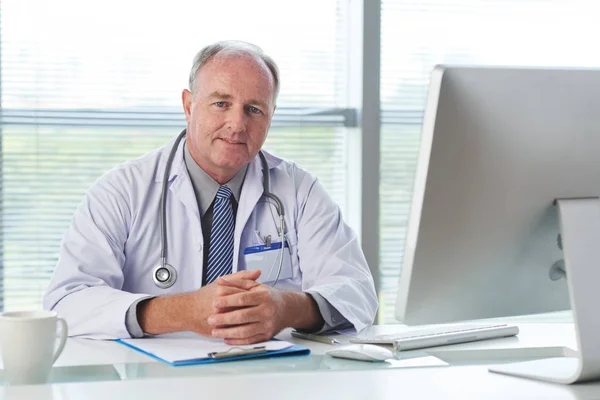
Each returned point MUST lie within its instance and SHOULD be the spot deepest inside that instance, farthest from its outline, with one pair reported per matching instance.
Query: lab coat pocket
(257, 239)
(269, 258)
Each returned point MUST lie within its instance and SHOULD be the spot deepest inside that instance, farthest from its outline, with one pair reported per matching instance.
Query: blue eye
(220, 104)
(254, 110)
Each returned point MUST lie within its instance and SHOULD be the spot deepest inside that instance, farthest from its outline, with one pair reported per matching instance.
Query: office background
(85, 86)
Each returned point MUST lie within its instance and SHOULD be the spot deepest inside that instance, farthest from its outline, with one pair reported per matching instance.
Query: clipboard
(188, 348)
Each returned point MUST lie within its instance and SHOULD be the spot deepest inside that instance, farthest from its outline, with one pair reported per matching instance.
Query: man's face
(229, 114)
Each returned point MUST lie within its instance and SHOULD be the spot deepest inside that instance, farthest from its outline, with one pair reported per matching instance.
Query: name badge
(267, 260)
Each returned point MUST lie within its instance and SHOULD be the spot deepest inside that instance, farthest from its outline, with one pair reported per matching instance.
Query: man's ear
(186, 100)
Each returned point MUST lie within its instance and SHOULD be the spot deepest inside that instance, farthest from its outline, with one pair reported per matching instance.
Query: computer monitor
(498, 146)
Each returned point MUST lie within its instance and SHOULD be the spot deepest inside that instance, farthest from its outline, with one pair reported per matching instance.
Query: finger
(228, 290)
(239, 332)
(245, 284)
(261, 337)
(236, 317)
(244, 299)
(225, 309)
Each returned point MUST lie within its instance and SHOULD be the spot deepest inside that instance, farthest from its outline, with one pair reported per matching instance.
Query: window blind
(85, 86)
(418, 34)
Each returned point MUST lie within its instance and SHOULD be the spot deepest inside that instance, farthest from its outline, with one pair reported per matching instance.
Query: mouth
(231, 141)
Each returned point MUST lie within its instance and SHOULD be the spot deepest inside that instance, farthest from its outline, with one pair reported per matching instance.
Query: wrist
(302, 312)
(165, 314)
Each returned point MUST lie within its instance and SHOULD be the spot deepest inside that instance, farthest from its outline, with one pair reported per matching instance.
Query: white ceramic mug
(27, 340)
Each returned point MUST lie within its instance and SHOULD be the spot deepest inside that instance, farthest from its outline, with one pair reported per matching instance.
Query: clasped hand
(246, 311)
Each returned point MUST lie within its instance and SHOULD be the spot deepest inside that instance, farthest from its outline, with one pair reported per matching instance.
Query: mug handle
(63, 338)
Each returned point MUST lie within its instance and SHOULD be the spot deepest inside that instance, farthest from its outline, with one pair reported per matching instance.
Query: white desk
(105, 370)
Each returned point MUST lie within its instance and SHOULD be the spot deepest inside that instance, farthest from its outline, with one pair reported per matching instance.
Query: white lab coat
(113, 243)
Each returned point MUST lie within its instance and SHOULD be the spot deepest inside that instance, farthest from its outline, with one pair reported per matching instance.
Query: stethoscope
(164, 274)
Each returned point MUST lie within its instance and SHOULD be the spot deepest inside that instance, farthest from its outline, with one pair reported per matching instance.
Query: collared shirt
(205, 189)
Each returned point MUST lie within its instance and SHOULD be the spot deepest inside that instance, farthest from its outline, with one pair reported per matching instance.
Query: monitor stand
(580, 229)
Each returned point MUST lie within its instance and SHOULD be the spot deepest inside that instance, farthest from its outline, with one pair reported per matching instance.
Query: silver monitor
(498, 146)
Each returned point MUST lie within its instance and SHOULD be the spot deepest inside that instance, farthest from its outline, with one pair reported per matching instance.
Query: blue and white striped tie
(220, 253)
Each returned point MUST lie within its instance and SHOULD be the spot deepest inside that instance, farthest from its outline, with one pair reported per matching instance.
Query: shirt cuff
(131, 321)
(331, 316)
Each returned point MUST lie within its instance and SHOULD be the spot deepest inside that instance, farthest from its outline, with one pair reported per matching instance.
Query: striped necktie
(220, 253)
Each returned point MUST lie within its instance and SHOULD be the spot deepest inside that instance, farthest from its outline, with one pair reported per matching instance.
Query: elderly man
(209, 234)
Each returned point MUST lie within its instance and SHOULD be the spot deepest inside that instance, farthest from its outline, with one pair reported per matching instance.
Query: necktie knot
(224, 192)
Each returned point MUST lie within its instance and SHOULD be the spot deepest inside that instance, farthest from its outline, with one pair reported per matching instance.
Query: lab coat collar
(178, 162)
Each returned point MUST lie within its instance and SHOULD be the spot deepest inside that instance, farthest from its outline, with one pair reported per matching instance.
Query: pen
(315, 338)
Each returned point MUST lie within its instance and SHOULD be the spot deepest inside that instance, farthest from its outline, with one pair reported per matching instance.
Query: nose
(236, 122)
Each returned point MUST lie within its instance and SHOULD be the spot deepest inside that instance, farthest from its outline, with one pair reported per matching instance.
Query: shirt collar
(205, 187)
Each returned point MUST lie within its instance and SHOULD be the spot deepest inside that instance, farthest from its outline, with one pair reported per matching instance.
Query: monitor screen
(498, 146)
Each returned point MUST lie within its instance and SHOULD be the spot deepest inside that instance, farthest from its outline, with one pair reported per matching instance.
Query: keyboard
(440, 336)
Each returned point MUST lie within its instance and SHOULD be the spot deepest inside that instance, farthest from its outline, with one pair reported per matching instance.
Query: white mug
(27, 340)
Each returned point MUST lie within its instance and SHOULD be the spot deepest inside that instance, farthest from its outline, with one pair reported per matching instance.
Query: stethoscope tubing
(164, 274)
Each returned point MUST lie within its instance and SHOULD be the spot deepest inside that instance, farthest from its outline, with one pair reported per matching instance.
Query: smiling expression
(229, 113)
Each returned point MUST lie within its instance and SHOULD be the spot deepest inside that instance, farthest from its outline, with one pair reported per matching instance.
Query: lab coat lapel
(252, 190)
(181, 189)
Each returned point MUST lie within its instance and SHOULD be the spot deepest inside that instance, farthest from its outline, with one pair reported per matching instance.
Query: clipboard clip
(236, 352)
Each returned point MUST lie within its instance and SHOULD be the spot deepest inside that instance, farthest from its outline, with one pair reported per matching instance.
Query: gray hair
(233, 47)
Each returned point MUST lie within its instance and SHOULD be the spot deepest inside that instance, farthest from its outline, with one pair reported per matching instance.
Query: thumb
(243, 280)
(252, 275)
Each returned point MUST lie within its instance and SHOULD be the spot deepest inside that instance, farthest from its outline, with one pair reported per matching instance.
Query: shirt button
(199, 245)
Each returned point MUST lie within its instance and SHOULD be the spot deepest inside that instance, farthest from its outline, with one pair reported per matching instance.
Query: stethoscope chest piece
(164, 276)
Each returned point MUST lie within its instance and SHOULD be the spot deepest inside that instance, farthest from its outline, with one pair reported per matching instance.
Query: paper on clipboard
(186, 346)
